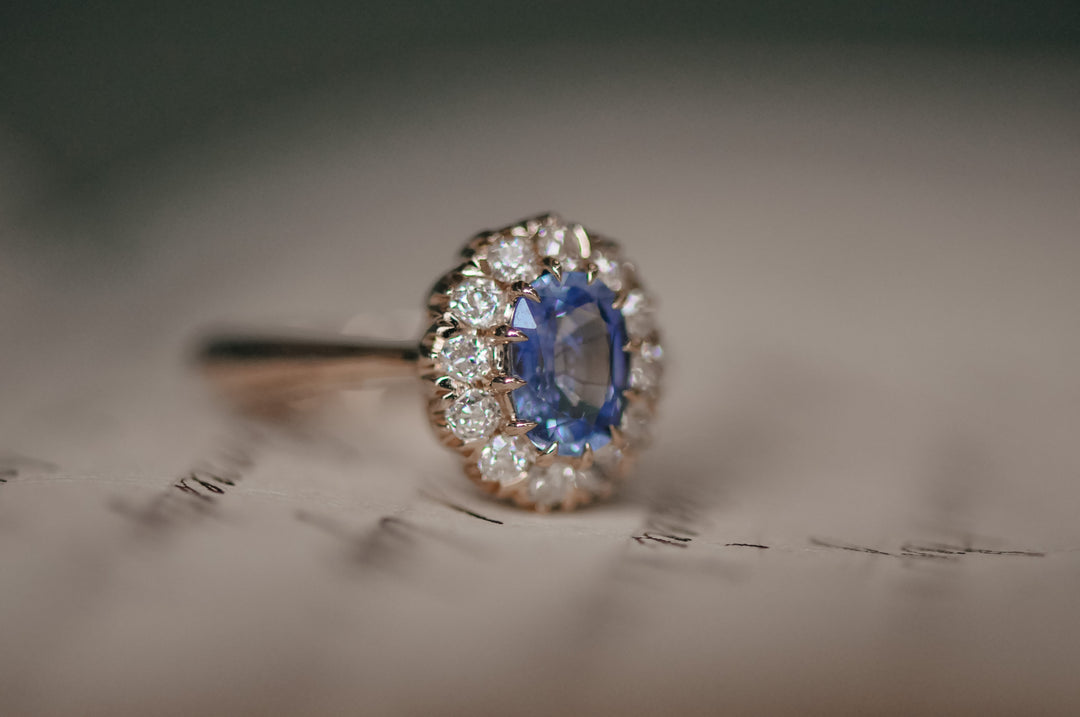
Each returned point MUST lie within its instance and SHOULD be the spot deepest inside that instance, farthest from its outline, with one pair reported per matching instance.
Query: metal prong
(583, 241)
(553, 266)
(520, 229)
(470, 250)
(506, 384)
(617, 438)
(448, 330)
(586, 457)
(547, 456)
(445, 384)
(633, 395)
(632, 345)
(591, 272)
(438, 302)
(620, 300)
(508, 335)
(470, 268)
(518, 428)
(520, 288)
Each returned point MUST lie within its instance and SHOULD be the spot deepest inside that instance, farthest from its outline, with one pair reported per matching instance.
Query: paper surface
(862, 497)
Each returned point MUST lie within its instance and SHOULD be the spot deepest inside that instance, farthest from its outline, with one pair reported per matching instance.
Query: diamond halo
(483, 314)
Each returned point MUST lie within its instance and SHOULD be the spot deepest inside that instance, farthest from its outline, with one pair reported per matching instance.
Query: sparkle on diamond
(570, 245)
(466, 357)
(638, 310)
(646, 368)
(513, 259)
(474, 415)
(478, 302)
(505, 459)
(608, 270)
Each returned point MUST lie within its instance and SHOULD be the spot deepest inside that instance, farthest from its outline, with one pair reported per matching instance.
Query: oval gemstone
(572, 361)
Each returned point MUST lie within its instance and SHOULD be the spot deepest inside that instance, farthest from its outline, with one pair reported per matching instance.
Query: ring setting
(543, 363)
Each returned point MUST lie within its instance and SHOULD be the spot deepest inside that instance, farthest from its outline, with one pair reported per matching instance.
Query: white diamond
(635, 423)
(466, 357)
(478, 302)
(512, 259)
(548, 485)
(505, 459)
(608, 270)
(638, 312)
(590, 481)
(474, 415)
(608, 458)
(644, 377)
(611, 463)
(645, 368)
(652, 352)
(570, 245)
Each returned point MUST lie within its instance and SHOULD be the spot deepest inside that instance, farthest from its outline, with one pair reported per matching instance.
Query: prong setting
(518, 428)
(553, 266)
(520, 289)
(548, 456)
(506, 384)
(508, 335)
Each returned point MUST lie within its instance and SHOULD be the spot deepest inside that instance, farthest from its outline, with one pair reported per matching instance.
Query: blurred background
(94, 90)
(861, 220)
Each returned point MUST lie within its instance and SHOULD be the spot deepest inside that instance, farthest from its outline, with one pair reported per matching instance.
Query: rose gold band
(266, 373)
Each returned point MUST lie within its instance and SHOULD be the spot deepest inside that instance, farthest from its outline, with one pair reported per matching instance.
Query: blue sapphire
(573, 363)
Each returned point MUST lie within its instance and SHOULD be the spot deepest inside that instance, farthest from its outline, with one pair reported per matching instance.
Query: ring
(543, 364)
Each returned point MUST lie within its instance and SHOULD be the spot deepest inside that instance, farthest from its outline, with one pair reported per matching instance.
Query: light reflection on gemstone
(583, 359)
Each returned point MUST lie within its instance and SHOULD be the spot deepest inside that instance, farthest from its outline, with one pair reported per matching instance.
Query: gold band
(265, 374)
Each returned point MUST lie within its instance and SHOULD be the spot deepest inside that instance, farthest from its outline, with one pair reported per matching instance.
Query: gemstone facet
(572, 361)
